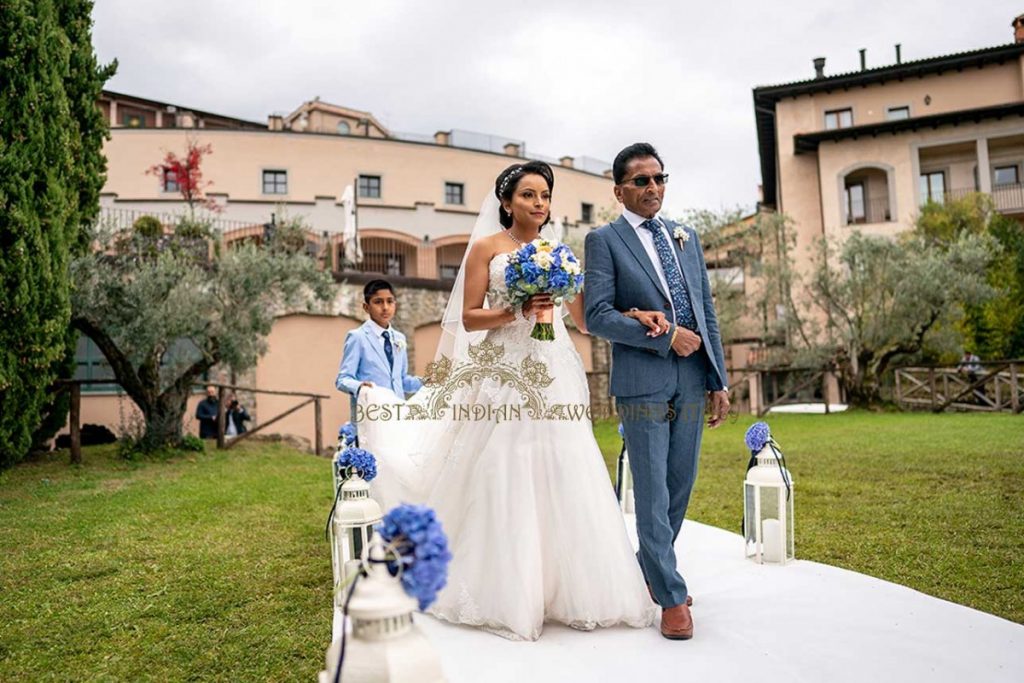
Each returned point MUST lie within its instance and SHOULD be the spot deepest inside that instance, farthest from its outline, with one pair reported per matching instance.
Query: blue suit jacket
(619, 276)
(363, 360)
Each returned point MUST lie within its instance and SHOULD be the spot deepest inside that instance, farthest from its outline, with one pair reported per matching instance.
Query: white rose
(542, 259)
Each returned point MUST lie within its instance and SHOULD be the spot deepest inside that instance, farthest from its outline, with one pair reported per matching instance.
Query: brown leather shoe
(689, 598)
(677, 623)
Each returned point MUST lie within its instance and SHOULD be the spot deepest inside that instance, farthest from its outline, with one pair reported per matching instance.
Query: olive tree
(164, 310)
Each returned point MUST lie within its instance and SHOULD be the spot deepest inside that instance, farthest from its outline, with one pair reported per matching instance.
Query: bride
(534, 528)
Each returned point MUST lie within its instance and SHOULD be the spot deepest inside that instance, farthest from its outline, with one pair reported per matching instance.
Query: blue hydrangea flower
(347, 434)
(416, 533)
(758, 436)
(560, 275)
(354, 460)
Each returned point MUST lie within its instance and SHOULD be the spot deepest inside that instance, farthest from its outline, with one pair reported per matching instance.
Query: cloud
(582, 78)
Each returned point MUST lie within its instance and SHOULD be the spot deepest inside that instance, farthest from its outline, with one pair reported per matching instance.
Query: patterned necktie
(388, 351)
(676, 284)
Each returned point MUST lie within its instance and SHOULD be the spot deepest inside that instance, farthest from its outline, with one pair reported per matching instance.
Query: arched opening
(388, 256)
(449, 258)
(865, 195)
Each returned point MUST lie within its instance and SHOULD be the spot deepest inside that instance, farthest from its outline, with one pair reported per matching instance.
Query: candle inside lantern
(771, 535)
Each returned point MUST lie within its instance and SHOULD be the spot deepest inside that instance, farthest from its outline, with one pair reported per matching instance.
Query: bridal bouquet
(416, 536)
(543, 267)
(355, 461)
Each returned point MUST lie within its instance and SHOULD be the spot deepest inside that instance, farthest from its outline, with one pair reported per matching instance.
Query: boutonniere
(681, 235)
(399, 344)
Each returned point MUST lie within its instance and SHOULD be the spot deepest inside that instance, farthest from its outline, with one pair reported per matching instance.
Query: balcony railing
(1007, 198)
(871, 211)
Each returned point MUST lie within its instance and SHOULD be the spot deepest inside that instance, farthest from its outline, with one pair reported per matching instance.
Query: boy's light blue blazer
(363, 360)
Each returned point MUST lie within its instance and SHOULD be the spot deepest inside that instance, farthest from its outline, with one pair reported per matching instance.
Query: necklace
(514, 238)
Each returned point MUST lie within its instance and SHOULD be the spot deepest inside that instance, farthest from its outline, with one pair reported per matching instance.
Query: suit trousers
(663, 433)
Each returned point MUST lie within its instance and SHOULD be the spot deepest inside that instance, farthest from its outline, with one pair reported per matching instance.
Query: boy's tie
(388, 351)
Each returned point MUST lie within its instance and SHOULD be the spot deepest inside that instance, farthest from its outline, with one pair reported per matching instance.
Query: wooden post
(824, 389)
(318, 420)
(931, 385)
(221, 415)
(75, 418)
(899, 389)
(1015, 405)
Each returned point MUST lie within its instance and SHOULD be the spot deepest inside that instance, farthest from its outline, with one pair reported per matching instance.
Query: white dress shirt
(647, 239)
(379, 332)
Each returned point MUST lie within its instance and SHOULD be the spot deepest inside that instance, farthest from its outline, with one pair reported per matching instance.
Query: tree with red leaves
(187, 174)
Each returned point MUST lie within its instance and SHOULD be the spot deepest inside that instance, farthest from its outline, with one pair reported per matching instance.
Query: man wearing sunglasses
(648, 293)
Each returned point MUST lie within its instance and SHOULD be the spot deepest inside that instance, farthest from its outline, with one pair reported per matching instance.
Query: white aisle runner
(802, 622)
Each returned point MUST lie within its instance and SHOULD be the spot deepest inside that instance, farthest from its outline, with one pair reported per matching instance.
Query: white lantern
(768, 509)
(384, 645)
(355, 515)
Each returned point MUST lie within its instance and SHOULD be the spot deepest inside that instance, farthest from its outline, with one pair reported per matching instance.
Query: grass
(213, 566)
(934, 502)
(210, 566)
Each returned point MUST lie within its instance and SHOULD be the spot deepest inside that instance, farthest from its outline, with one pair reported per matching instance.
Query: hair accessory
(504, 183)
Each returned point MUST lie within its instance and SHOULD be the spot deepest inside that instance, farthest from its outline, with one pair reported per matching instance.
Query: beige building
(864, 150)
(416, 203)
(417, 196)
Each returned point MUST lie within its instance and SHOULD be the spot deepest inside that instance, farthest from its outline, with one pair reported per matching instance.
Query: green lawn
(935, 502)
(213, 566)
(210, 566)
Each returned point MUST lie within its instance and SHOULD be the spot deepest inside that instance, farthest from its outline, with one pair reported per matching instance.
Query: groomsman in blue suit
(376, 353)
(647, 292)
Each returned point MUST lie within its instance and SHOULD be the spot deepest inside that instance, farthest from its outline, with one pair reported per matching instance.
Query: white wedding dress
(535, 531)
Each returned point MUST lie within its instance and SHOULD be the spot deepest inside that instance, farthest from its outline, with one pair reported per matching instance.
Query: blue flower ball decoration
(423, 550)
(347, 434)
(356, 458)
(758, 436)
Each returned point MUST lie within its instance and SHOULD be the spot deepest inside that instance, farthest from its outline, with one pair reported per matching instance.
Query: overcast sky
(575, 77)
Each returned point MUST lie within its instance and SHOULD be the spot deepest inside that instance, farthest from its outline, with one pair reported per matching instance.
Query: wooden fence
(995, 386)
(74, 417)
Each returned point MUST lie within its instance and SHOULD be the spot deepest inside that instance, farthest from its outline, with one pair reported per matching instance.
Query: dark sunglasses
(645, 180)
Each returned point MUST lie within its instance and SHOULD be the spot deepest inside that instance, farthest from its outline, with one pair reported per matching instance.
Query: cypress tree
(83, 85)
(37, 213)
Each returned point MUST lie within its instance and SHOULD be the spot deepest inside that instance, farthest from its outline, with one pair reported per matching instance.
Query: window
(344, 128)
(369, 186)
(132, 118)
(90, 364)
(838, 118)
(453, 193)
(933, 186)
(1005, 175)
(447, 272)
(171, 181)
(897, 113)
(275, 182)
(586, 213)
(854, 197)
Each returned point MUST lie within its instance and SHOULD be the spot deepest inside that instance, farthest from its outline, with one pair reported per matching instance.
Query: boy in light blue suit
(376, 353)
